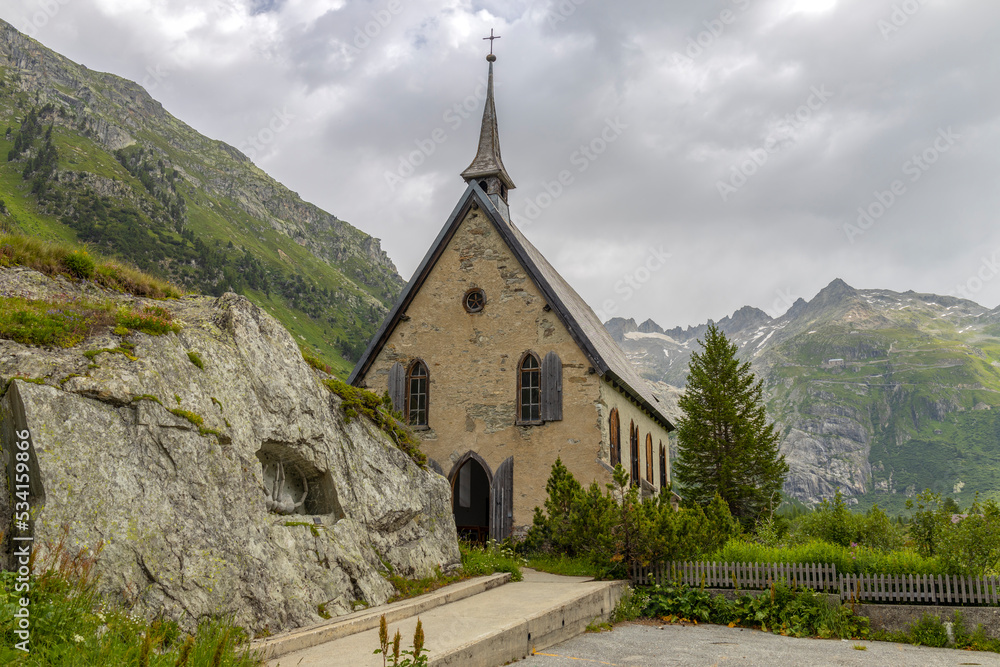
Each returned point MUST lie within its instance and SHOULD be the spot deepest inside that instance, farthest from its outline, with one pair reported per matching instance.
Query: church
(501, 367)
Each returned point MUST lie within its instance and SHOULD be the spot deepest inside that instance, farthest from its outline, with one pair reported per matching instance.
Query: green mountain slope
(92, 158)
(878, 394)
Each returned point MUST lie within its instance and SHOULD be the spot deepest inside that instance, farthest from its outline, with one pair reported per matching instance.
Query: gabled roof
(583, 324)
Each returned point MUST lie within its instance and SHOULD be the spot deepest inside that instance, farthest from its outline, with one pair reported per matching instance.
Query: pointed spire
(488, 166)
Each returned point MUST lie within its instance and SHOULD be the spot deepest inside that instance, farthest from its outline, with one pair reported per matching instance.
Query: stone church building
(500, 367)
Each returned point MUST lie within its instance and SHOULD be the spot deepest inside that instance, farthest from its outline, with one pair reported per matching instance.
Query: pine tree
(726, 444)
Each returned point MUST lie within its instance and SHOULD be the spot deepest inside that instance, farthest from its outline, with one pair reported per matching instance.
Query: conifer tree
(726, 444)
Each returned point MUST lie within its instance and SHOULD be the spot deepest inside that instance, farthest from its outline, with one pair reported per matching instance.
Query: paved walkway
(634, 645)
(486, 630)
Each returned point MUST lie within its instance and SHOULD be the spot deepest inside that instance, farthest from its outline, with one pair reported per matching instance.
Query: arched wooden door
(502, 501)
(482, 501)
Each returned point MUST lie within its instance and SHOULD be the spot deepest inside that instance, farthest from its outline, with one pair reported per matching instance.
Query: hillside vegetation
(90, 158)
(878, 394)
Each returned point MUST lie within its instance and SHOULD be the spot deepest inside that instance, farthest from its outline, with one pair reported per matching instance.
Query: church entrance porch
(483, 502)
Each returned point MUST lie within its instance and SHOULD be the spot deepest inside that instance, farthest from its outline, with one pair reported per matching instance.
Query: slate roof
(583, 324)
(488, 161)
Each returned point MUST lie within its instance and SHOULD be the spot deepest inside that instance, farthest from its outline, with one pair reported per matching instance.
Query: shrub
(928, 631)
(833, 522)
(631, 605)
(358, 401)
(79, 264)
(785, 610)
(616, 529)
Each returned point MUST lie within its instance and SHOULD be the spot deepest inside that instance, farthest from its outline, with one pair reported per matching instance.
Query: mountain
(877, 393)
(92, 158)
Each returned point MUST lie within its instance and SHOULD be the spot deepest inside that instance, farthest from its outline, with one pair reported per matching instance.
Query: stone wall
(628, 413)
(472, 361)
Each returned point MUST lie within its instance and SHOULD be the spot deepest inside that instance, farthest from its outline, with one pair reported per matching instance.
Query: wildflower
(78, 639)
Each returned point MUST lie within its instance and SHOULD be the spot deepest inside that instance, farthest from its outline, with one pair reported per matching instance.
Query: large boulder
(185, 514)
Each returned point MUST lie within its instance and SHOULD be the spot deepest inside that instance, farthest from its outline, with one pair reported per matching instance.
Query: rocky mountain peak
(649, 326)
(619, 326)
(746, 318)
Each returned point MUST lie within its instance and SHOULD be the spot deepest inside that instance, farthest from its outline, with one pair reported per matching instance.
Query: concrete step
(366, 619)
(488, 629)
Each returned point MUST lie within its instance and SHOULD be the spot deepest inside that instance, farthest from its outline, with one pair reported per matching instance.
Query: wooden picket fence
(925, 589)
(884, 588)
(739, 575)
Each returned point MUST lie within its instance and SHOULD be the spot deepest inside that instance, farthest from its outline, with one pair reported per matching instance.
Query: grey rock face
(181, 512)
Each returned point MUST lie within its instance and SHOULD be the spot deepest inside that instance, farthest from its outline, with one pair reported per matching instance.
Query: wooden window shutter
(552, 388)
(397, 386)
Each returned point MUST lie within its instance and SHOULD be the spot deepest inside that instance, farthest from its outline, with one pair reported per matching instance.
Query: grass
(92, 354)
(857, 560)
(72, 627)
(152, 320)
(192, 417)
(565, 565)
(51, 324)
(477, 561)
(315, 361)
(67, 323)
(196, 360)
(55, 259)
(411, 588)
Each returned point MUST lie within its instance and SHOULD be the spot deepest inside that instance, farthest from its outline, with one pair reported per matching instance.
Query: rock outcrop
(181, 510)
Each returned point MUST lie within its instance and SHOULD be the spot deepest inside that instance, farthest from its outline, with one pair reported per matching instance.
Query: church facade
(501, 368)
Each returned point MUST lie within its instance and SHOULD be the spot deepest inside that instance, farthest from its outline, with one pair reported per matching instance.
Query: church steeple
(487, 168)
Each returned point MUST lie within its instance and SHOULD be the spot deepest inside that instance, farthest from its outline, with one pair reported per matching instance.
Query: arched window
(416, 394)
(615, 438)
(529, 390)
(633, 436)
(663, 466)
(649, 458)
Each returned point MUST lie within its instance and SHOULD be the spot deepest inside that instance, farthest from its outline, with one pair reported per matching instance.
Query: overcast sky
(739, 137)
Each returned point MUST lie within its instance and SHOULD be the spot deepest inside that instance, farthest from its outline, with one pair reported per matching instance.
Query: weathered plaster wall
(472, 362)
(629, 412)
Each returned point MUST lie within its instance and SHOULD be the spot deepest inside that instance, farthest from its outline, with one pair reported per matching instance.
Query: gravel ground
(634, 645)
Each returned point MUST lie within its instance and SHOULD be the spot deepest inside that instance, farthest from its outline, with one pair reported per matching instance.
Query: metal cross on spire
(491, 38)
